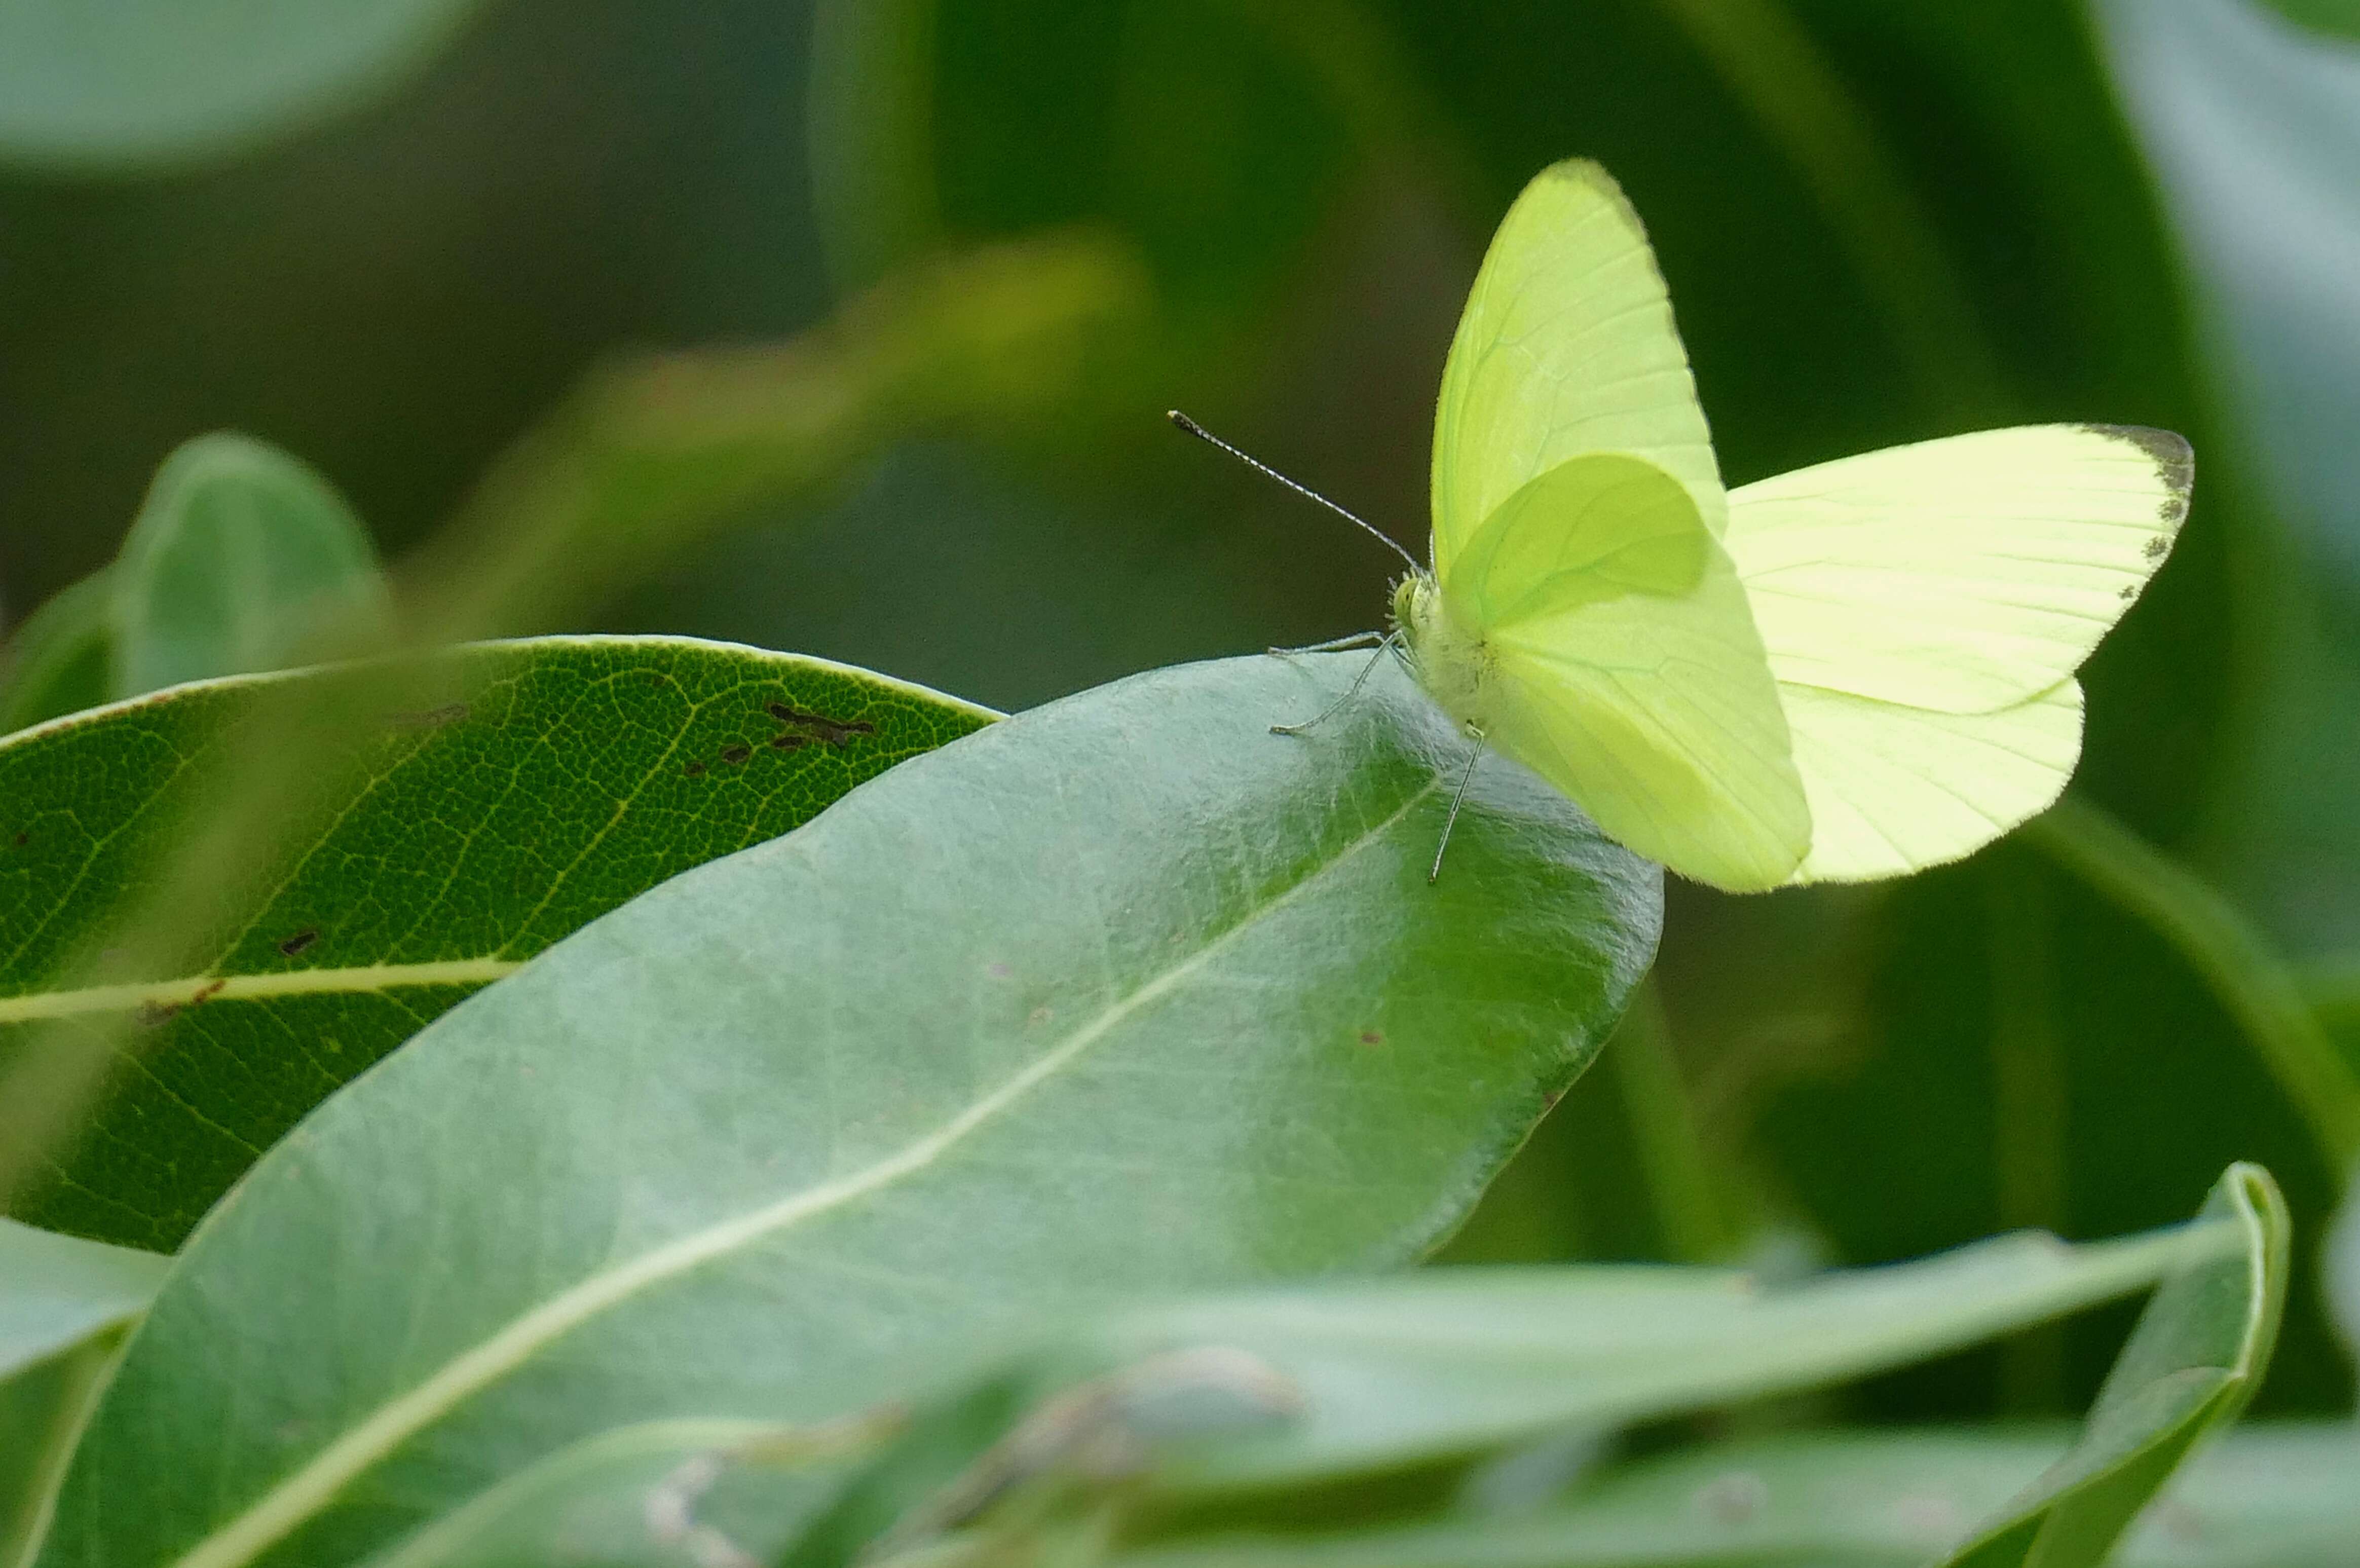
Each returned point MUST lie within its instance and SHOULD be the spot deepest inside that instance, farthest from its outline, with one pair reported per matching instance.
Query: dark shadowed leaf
(61, 658)
(1126, 995)
(543, 784)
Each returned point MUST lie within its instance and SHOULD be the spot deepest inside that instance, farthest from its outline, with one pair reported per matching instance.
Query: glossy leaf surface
(1126, 995)
(546, 783)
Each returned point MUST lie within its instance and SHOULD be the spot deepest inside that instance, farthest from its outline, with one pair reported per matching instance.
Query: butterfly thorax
(1453, 665)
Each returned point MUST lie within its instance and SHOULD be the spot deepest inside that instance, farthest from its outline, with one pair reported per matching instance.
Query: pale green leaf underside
(2279, 1495)
(805, 1126)
(2192, 1362)
(140, 83)
(1566, 348)
(239, 556)
(1441, 1361)
(1453, 1360)
(64, 1303)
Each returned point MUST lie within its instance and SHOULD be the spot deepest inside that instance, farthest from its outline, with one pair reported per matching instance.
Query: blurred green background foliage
(848, 327)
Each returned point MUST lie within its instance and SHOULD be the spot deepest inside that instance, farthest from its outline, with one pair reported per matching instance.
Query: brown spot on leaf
(2129, 591)
(1372, 1036)
(155, 1014)
(733, 755)
(820, 727)
(694, 770)
(300, 940)
(788, 740)
(208, 991)
(2155, 546)
(23, 838)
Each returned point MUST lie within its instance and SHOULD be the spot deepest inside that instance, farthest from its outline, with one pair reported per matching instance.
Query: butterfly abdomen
(1453, 665)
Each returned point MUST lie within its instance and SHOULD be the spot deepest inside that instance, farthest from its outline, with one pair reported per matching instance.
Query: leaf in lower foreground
(1127, 994)
(1376, 1374)
(545, 782)
(64, 1303)
(2268, 1494)
(1450, 1361)
(2198, 1352)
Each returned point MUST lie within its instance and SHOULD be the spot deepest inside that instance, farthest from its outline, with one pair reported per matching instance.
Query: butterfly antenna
(1201, 434)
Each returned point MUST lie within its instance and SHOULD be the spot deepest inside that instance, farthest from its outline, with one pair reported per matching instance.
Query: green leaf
(2058, 1033)
(2192, 1363)
(239, 557)
(64, 1303)
(542, 785)
(153, 84)
(1450, 1361)
(632, 1497)
(1375, 1374)
(2277, 1496)
(2343, 1267)
(61, 659)
(2342, 16)
(1126, 995)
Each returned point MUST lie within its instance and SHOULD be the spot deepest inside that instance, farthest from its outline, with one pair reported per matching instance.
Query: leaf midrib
(283, 1509)
(192, 991)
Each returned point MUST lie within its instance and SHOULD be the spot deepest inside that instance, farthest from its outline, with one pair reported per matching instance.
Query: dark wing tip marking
(2174, 460)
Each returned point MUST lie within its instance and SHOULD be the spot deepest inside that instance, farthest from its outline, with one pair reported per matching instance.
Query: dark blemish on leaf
(300, 940)
(835, 731)
(1372, 1036)
(155, 1014)
(658, 679)
(788, 740)
(430, 718)
(206, 994)
(23, 838)
(694, 770)
(2129, 592)
(733, 755)
(2155, 546)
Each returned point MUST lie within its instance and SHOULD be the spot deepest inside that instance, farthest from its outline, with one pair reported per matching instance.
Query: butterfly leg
(1349, 692)
(1334, 645)
(1456, 801)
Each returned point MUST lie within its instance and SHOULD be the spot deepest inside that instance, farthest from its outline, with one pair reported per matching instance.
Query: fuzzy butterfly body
(1845, 673)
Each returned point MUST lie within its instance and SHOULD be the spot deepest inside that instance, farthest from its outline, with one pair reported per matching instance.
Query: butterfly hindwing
(1621, 665)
